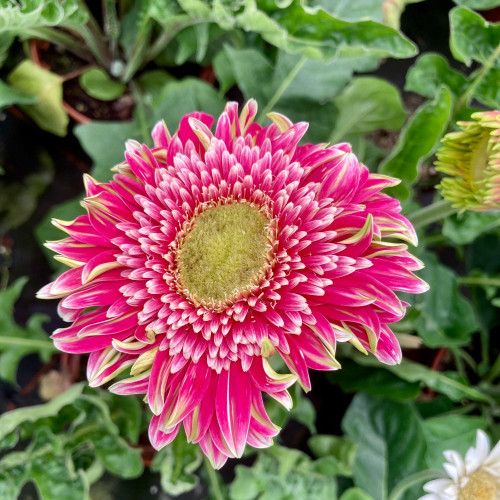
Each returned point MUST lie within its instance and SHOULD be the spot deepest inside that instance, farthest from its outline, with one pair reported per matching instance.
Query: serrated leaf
(13, 419)
(326, 36)
(368, 104)
(473, 38)
(450, 432)
(383, 431)
(418, 140)
(19, 17)
(48, 112)
(281, 473)
(429, 72)
(99, 85)
(16, 341)
(10, 96)
(176, 464)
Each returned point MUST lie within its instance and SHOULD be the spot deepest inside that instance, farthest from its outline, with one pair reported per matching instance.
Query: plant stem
(412, 480)
(479, 281)
(213, 480)
(20, 342)
(137, 56)
(140, 112)
(467, 95)
(281, 89)
(436, 211)
(59, 38)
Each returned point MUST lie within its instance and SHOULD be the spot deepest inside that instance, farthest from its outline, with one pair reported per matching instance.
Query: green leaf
(316, 80)
(488, 90)
(177, 463)
(341, 450)
(104, 142)
(46, 231)
(16, 341)
(355, 494)
(18, 200)
(12, 420)
(393, 11)
(418, 140)
(353, 377)
(353, 10)
(450, 432)
(384, 432)
(429, 72)
(185, 96)
(439, 381)
(10, 96)
(473, 38)
(325, 36)
(98, 84)
(20, 17)
(478, 4)
(446, 318)
(466, 227)
(48, 112)
(368, 104)
(284, 474)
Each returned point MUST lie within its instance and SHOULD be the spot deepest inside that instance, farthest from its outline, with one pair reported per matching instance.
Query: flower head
(475, 478)
(214, 251)
(472, 158)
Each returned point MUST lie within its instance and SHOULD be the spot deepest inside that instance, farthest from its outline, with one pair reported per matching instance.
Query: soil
(70, 67)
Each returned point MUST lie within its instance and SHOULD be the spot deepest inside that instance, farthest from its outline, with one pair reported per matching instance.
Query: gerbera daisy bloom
(212, 252)
(475, 478)
(472, 158)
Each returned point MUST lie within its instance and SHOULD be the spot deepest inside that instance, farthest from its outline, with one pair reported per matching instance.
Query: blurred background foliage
(389, 76)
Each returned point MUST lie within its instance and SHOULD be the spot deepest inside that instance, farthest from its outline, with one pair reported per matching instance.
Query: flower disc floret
(215, 250)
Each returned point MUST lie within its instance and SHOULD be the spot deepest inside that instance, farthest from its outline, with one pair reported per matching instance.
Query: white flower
(475, 478)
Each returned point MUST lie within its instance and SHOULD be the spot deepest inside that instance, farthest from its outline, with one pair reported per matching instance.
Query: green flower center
(224, 252)
(481, 486)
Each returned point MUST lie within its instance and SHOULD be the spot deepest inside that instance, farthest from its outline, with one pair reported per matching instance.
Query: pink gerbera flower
(212, 252)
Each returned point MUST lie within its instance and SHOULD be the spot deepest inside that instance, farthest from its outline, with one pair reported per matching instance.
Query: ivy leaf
(429, 72)
(418, 140)
(177, 463)
(384, 431)
(16, 341)
(46, 87)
